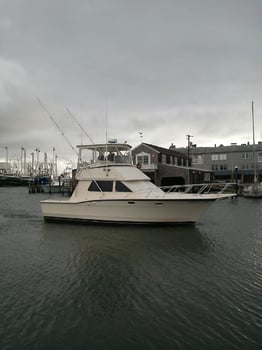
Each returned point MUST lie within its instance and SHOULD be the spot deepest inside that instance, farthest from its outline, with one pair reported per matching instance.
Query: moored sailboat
(253, 190)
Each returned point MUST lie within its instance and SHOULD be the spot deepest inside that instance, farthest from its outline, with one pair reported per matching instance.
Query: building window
(222, 157)
(218, 157)
(223, 167)
(142, 158)
(214, 157)
(207, 177)
(245, 166)
(259, 157)
(197, 159)
(245, 155)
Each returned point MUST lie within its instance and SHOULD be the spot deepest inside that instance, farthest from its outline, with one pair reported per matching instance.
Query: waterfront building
(168, 167)
(232, 162)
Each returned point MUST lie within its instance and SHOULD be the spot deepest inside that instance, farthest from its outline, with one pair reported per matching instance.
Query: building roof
(166, 151)
(222, 148)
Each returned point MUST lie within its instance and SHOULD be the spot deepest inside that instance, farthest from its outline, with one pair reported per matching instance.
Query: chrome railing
(216, 187)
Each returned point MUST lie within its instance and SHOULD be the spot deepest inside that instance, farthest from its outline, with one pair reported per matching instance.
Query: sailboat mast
(254, 143)
(253, 122)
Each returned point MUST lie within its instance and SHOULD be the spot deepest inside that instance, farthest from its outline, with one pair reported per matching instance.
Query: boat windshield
(104, 154)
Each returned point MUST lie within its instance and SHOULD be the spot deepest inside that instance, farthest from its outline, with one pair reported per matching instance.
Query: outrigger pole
(80, 126)
(58, 127)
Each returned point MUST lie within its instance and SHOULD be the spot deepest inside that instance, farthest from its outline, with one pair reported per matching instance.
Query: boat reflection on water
(128, 237)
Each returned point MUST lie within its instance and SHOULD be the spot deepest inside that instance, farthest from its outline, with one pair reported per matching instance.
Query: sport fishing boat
(110, 189)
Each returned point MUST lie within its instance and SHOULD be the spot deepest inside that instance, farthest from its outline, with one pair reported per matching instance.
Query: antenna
(58, 127)
(106, 130)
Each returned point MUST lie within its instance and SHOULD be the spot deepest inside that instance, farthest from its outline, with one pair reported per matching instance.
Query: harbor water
(71, 286)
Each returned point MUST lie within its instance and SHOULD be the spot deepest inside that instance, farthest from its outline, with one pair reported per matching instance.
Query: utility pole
(24, 161)
(188, 146)
(22, 153)
(33, 164)
(6, 154)
(188, 156)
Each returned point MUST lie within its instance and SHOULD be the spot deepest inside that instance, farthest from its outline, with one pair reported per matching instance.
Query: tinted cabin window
(120, 187)
(104, 186)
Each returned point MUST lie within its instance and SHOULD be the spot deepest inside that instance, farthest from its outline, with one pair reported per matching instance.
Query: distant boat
(111, 189)
(14, 180)
(62, 185)
(253, 190)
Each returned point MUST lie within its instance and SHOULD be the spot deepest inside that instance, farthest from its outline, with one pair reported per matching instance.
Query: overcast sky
(166, 68)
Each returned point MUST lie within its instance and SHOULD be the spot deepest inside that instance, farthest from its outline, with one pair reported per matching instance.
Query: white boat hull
(123, 211)
(252, 191)
(252, 194)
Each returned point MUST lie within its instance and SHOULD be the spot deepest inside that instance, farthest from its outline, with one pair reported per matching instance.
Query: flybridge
(104, 154)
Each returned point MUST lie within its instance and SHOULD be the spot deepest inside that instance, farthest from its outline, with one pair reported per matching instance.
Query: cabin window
(104, 186)
(120, 187)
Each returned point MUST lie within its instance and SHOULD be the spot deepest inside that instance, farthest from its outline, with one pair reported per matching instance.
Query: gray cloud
(166, 68)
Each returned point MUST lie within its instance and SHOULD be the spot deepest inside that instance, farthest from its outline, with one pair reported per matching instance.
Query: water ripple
(118, 287)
